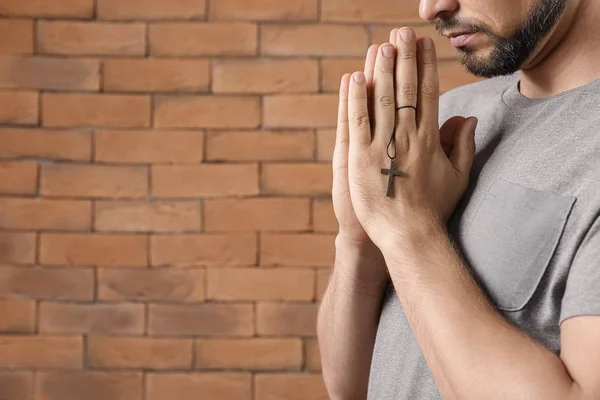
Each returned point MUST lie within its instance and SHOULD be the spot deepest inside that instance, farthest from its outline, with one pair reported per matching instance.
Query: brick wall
(165, 222)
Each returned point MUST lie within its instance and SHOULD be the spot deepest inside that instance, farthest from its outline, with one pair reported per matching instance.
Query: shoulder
(463, 99)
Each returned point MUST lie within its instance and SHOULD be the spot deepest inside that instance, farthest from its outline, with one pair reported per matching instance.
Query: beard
(507, 54)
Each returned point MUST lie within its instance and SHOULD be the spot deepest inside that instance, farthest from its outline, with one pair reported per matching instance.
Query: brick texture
(63, 318)
(166, 223)
(20, 32)
(147, 353)
(253, 354)
(222, 386)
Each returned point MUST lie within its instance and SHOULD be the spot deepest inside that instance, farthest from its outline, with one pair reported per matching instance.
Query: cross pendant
(391, 173)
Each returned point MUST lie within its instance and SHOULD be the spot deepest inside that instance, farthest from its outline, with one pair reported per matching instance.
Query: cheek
(502, 17)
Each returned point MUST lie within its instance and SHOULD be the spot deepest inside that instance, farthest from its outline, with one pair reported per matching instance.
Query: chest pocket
(512, 238)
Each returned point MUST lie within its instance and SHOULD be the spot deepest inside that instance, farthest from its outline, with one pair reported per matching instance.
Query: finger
(369, 71)
(406, 82)
(429, 89)
(383, 93)
(340, 151)
(393, 36)
(358, 116)
(447, 132)
(464, 147)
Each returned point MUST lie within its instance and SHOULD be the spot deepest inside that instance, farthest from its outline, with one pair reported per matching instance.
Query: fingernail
(474, 122)
(358, 77)
(388, 51)
(407, 35)
(427, 43)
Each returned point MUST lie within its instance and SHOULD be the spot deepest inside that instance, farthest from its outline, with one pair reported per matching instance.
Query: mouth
(459, 38)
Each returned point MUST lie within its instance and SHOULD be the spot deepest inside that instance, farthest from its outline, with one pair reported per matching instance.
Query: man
(468, 266)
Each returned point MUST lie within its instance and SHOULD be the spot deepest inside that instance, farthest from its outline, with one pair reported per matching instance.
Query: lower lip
(461, 40)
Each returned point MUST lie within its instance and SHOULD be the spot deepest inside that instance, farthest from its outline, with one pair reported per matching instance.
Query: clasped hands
(435, 162)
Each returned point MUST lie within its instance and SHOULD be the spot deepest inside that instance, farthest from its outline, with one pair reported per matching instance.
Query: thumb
(464, 146)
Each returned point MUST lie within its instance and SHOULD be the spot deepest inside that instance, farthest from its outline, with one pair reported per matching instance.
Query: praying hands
(390, 112)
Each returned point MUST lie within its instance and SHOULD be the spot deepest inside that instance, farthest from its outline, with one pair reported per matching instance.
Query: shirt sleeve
(582, 294)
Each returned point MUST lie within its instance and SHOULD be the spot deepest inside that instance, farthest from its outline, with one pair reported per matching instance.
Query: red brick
(370, 11)
(201, 319)
(18, 72)
(105, 110)
(203, 39)
(156, 75)
(257, 214)
(265, 76)
(18, 177)
(314, 40)
(315, 250)
(16, 385)
(444, 50)
(260, 145)
(45, 8)
(38, 214)
(297, 179)
(252, 354)
(150, 9)
(452, 74)
(325, 144)
(46, 283)
(93, 249)
(133, 216)
(259, 284)
(290, 387)
(207, 112)
(312, 355)
(94, 181)
(178, 285)
(45, 144)
(203, 249)
(88, 385)
(18, 316)
(149, 147)
(62, 318)
(147, 353)
(19, 108)
(300, 111)
(323, 275)
(91, 38)
(324, 219)
(332, 70)
(262, 10)
(17, 248)
(281, 319)
(20, 32)
(205, 180)
(225, 386)
(41, 352)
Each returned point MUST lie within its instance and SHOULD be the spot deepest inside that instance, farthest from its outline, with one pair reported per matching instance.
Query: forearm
(348, 319)
(464, 340)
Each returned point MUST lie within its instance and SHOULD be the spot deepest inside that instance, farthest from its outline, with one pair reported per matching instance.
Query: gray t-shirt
(528, 225)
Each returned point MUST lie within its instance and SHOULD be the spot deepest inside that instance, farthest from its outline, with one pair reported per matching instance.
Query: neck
(570, 55)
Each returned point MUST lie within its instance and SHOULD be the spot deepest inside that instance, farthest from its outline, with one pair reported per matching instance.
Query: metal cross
(391, 173)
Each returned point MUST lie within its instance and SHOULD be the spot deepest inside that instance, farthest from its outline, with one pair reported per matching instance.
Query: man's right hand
(351, 232)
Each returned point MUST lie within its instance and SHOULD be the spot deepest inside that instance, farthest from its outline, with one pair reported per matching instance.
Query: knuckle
(409, 90)
(429, 91)
(408, 55)
(428, 61)
(402, 142)
(386, 101)
(361, 120)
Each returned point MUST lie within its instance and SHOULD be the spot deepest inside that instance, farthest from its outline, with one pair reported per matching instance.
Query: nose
(429, 10)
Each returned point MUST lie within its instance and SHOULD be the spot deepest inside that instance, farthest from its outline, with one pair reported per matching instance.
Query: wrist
(411, 239)
(359, 264)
